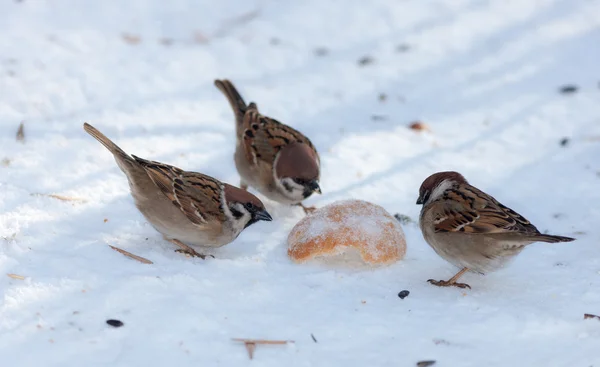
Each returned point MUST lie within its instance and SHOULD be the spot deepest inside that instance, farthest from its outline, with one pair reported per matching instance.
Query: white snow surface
(483, 75)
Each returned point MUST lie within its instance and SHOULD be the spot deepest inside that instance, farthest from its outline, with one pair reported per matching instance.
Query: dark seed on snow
(568, 89)
(378, 117)
(404, 219)
(365, 60)
(115, 323)
(403, 294)
(321, 51)
(403, 47)
(425, 363)
(564, 142)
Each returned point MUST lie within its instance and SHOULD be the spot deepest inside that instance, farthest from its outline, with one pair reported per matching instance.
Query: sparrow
(470, 229)
(185, 207)
(278, 161)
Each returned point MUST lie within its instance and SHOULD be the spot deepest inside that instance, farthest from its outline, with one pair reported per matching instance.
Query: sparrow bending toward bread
(275, 159)
(185, 207)
(470, 229)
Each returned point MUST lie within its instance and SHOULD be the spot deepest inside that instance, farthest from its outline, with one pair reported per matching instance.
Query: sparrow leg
(452, 281)
(187, 250)
(307, 210)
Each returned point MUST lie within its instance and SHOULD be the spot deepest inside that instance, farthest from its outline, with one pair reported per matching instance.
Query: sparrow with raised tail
(185, 207)
(275, 159)
(470, 229)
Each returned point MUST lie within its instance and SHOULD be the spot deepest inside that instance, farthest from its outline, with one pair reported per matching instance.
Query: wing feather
(198, 196)
(264, 137)
(470, 210)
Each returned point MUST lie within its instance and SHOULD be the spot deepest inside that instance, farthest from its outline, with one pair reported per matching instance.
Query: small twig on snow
(129, 254)
(16, 276)
(21, 132)
(251, 344)
(60, 197)
(237, 21)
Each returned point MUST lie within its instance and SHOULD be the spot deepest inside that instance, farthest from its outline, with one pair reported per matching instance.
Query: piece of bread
(348, 230)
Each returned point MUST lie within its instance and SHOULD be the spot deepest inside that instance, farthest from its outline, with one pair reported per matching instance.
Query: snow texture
(509, 89)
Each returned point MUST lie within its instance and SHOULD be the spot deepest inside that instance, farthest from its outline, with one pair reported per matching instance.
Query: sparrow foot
(452, 281)
(193, 253)
(307, 209)
(447, 283)
(187, 250)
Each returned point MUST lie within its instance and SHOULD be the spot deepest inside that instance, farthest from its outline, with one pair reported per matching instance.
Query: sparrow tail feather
(112, 147)
(552, 239)
(235, 99)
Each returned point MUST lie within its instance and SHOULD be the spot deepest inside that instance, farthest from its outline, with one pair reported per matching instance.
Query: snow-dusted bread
(348, 232)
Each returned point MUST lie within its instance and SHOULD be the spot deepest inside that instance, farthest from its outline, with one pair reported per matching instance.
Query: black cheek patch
(251, 222)
(287, 186)
(307, 192)
(236, 213)
(300, 181)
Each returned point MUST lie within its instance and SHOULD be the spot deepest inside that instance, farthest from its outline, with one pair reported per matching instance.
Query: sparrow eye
(300, 181)
(250, 206)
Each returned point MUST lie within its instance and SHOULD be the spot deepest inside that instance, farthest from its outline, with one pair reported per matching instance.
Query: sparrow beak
(314, 186)
(423, 197)
(263, 215)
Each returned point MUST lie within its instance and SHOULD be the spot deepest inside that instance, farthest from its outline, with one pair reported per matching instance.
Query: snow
(483, 75)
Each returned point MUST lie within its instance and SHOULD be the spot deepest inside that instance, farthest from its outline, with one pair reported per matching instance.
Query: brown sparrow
(275, 159)
(470, 229)
(185, 206)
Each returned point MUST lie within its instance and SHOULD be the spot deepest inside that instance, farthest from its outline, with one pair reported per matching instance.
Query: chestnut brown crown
(251, 203)
(297, 160)
(435, 180)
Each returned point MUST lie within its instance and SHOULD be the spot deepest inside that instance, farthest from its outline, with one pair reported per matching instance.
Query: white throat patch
(237, 225)
(439, 190)
(297, 192)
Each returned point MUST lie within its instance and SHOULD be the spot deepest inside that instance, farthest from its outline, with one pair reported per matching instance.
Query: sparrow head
(243, 207)
(296, 171)
(435, 185)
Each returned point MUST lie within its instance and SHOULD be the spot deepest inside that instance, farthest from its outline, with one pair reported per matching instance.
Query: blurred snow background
(491, 79)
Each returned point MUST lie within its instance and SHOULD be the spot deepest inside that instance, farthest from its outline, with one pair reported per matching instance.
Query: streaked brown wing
(196, 195)
(470, 210)
(263, 137)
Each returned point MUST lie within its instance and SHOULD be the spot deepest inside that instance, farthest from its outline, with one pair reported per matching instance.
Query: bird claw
(192, 253)
(307, 209)
(445, 283)
(187, 250)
